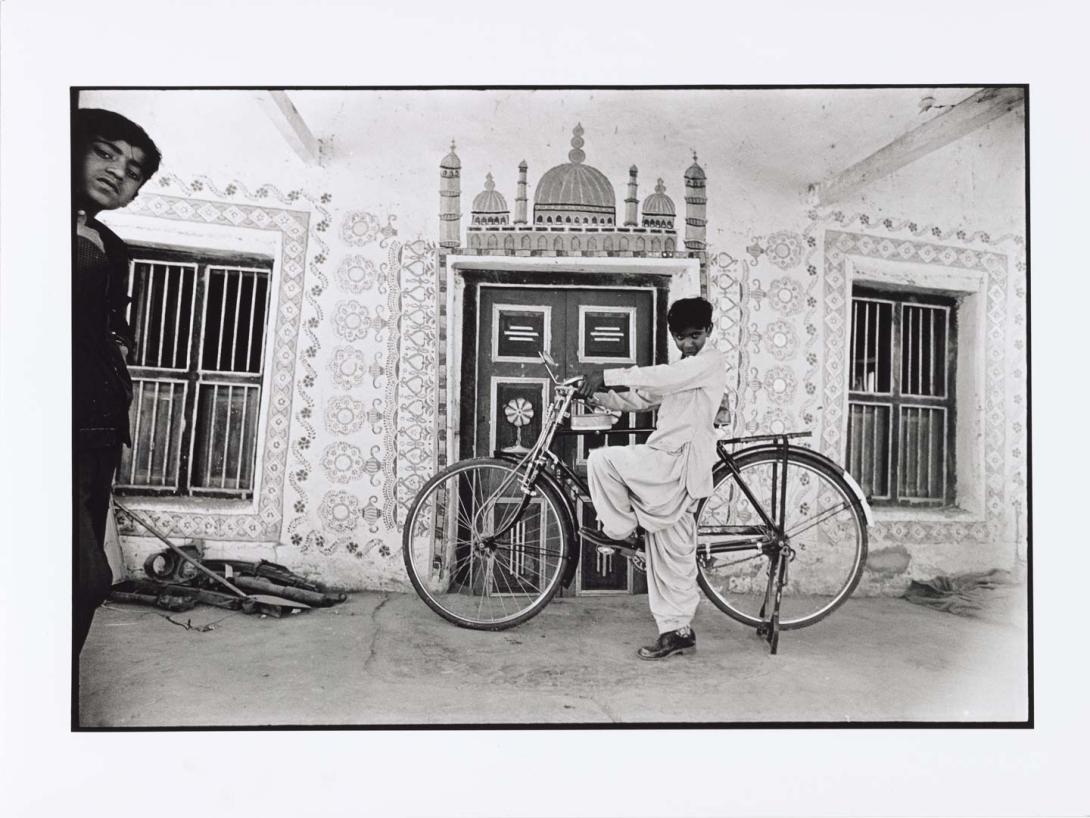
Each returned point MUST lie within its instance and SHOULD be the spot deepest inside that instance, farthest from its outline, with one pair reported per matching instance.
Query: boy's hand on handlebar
(593, 381)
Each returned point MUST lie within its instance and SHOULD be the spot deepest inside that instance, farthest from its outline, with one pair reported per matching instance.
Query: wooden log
(263, 586)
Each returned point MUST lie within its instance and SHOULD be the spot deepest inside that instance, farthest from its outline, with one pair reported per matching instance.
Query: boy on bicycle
(655, 486)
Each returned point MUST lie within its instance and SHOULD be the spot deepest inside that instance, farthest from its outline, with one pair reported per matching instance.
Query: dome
(489, 200)
(658, 203)
(576, 186)
(575, 191)
(489, 206)
(695, 171)
(451, 160)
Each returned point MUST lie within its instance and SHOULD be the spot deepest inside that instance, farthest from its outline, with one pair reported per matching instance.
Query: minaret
(631, 202)
(520, 195)
(696, 221)
(450, 201)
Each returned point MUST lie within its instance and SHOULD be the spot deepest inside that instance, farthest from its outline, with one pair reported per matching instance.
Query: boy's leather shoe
(668, 644)
(592, 535)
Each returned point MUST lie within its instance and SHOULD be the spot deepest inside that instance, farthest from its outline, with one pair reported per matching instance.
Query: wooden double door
(506, 388)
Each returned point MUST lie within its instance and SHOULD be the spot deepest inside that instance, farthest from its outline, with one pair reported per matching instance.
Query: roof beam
(968, 115)
(280, 109)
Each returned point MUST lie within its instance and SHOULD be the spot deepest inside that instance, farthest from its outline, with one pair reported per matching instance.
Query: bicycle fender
(812, 455)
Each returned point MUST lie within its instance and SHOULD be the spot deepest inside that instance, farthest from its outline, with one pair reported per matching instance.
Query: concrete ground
(386, 659)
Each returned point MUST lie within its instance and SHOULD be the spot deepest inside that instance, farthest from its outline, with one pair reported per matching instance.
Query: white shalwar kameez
(655, 485)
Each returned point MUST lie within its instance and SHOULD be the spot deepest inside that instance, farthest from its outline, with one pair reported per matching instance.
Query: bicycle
(488, 541)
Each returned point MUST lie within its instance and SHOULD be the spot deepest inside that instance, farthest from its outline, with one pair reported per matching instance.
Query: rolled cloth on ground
(962, 594)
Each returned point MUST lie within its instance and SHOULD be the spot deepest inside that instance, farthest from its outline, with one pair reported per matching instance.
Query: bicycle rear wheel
(824, 523)
(457, 564)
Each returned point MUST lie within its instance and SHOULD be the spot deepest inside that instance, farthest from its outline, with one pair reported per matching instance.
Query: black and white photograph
(366, 424)
(468, 417)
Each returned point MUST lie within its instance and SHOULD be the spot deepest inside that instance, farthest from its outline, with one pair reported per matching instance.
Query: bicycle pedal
(606, 550)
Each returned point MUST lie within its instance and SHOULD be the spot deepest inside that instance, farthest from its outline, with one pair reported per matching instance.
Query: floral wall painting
(356, 413)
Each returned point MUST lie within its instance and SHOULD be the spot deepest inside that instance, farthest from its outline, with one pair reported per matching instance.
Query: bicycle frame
(768, 536)
(541, 458)
(539, 453)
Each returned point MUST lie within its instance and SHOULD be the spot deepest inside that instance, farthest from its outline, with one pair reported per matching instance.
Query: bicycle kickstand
(769, 629)
(777, 574)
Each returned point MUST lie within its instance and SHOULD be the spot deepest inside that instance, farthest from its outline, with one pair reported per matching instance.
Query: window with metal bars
(901, 409)
(200, 326)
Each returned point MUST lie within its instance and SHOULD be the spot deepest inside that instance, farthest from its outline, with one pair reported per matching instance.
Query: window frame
(897, 399)
(194, 376)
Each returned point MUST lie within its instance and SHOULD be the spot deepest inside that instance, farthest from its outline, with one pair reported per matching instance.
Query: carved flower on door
(518, 411)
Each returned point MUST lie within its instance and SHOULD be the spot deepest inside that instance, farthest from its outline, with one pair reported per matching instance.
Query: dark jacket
(102, 388)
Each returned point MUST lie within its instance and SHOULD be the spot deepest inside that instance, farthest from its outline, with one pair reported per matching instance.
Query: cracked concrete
(386, 659)
(376, 630)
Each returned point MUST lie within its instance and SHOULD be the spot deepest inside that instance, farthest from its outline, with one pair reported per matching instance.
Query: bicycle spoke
(513, 547)
(824, 569)
(507, 583)
(806, 525)
(486, 580)
(456, 565)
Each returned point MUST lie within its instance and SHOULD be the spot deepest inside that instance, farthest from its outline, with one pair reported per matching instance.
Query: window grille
(200, 326)
(900, 409)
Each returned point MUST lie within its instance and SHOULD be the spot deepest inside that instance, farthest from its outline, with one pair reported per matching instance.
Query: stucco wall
(352, 401)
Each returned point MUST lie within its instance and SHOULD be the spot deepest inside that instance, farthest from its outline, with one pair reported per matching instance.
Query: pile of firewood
(176, 585)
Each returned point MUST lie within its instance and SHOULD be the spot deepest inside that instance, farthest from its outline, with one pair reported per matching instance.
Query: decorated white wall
(355, 387)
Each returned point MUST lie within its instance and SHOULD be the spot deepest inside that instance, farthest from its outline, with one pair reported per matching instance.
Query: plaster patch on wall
(889, 561)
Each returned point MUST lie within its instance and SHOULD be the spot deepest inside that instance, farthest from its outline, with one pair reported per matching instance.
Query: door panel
(583, 328)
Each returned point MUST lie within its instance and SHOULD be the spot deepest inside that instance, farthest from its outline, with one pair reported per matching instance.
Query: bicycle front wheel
(478, 552)
(826, 532)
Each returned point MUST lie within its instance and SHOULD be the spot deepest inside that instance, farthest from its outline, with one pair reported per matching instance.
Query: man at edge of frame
(112, 158)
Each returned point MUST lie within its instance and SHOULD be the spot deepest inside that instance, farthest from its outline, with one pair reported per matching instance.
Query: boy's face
(691, 340)
(110, 175)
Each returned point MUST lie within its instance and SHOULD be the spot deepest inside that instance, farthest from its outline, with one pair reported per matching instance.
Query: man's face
(111, 174)
(691, 340)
